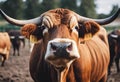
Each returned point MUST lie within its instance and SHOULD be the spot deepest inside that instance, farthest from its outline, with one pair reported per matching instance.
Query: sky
(103, 6)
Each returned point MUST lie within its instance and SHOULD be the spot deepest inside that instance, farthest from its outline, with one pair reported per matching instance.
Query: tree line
(26, 9)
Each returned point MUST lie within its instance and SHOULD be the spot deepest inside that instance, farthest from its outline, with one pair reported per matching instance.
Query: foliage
(87, 8)
(13, 8)
(68, 4)
(28, 9)
(31, 8)
(46, 5)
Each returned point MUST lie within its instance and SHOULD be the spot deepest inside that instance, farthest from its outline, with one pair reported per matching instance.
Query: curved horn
(13, 21)
(102, 21)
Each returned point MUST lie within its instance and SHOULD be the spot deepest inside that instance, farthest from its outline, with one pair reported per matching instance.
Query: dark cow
(68, 47)
(16, 40)
(114, 45)
(5, 45)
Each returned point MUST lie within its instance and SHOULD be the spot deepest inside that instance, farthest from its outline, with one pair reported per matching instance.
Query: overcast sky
(103, 6)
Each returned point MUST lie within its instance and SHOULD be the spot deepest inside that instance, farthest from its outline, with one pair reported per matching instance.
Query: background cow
(5, 45)
(69, 47)
(16, 39)
(114, 45)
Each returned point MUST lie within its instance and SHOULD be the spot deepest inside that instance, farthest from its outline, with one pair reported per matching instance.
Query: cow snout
(62, 48)
(61, 51)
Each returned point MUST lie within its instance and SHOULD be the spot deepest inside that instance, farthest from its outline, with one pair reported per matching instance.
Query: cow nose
(61, 49)
(61, 45)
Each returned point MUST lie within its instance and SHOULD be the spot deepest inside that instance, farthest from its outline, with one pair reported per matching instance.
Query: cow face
(61, 34)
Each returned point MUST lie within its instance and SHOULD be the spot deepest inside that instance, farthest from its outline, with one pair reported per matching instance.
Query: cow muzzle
(61, 52)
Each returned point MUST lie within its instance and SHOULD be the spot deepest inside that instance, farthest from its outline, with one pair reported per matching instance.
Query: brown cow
(68, 48)
(5, 45)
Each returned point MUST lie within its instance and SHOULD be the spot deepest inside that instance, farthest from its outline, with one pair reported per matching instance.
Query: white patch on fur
(73, 24)
(12, 37)
(45, 30)
(47, 21)
(114, 36)
(21, 37)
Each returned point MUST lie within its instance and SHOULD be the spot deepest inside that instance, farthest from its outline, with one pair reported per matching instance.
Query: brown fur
(28, 29)
(5, 45)
(94, 52)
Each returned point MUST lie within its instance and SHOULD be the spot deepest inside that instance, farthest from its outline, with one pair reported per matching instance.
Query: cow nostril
(70, 47)
(54, 47)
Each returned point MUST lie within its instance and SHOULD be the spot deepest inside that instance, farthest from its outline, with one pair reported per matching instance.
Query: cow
(114, 45)
(5, 45)
(68, 47)
(16, 40)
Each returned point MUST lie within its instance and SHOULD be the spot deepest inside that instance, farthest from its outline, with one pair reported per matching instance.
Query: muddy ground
(16, 68)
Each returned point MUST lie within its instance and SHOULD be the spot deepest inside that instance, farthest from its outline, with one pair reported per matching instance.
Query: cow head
(62, 31)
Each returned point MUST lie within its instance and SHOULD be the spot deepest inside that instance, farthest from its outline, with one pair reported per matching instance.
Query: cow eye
(77, 28)
(42, 27)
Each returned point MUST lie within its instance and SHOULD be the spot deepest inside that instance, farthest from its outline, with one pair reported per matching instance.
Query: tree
(68, 4)
(48, 4)
(13, 8)
(31, 8)
(87, 8)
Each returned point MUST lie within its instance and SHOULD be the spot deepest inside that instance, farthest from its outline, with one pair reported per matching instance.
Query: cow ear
(31, 31)
(88, 29)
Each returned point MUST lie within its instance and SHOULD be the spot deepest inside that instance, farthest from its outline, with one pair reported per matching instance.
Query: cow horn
(13, 21)
(102, 21)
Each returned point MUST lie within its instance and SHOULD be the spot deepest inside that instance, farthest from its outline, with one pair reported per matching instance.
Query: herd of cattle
(68, 47)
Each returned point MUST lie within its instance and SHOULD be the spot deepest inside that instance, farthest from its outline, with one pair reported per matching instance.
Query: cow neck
(62, 74)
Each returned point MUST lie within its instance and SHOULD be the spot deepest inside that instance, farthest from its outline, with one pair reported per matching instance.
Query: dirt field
(16, 69)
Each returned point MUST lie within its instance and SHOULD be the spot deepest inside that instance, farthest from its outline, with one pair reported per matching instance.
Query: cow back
(4, 43)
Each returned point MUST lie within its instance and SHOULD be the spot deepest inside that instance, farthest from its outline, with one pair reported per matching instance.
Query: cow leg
(13, 51)
(4, 58)
(18, 51)
(104, 78)
(117, 63)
